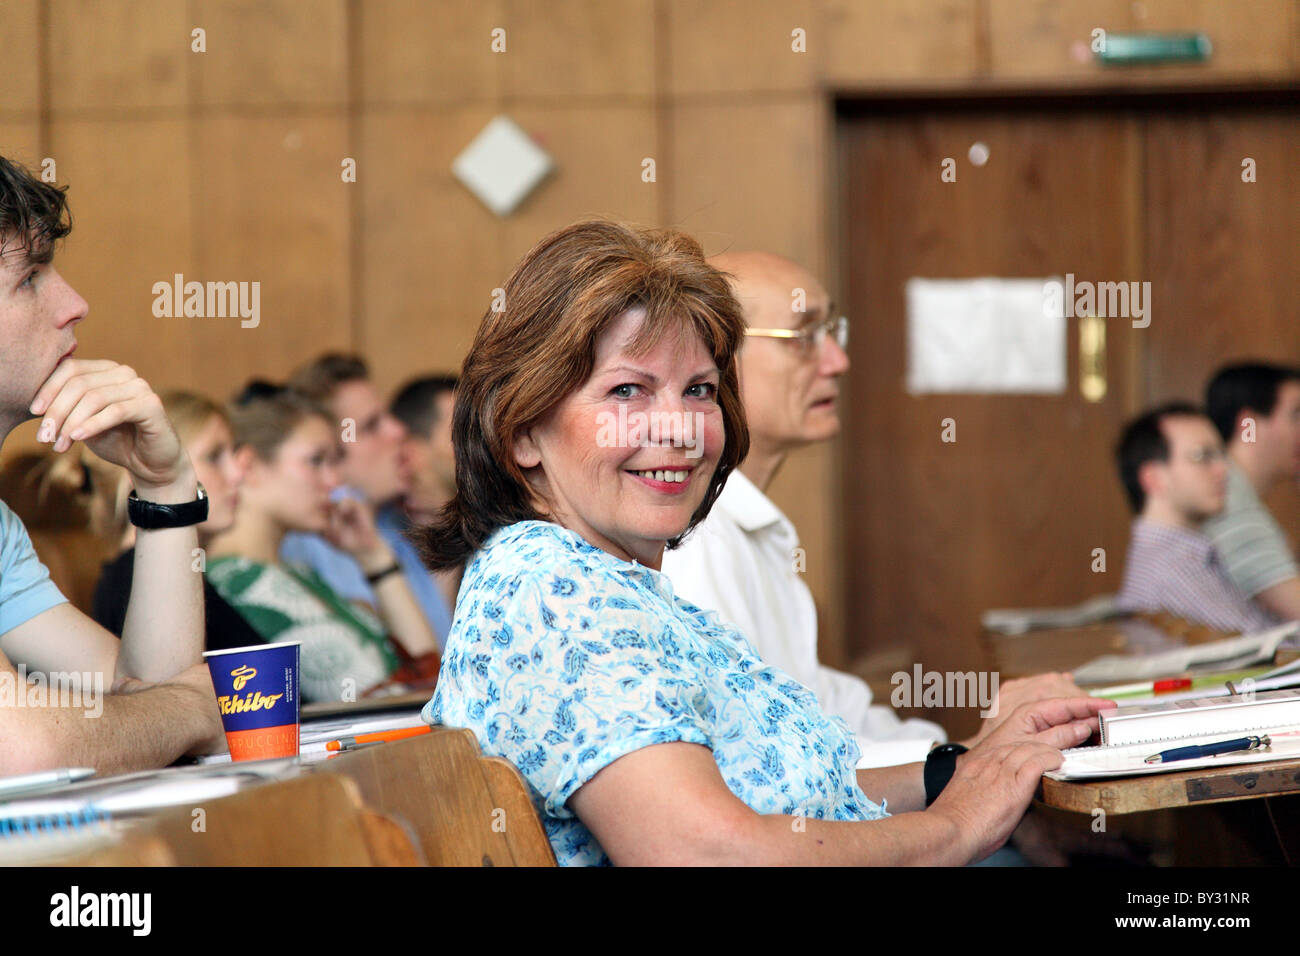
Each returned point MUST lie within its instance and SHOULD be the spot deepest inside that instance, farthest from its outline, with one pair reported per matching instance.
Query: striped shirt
(1179, 571)
(1254, 551)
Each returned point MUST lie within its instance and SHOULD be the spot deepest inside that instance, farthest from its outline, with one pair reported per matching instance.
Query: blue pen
(1210, 750)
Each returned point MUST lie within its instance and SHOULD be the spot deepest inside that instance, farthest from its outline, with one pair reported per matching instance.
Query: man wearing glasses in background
(1174, 471)
(741, 560)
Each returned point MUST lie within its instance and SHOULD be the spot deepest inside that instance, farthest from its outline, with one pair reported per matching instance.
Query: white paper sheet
(983, 335)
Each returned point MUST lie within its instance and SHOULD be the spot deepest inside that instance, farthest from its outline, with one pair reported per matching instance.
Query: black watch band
(378, 576)
(940, 765)
(150, 515)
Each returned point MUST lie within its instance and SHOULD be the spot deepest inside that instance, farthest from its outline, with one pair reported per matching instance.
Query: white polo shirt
(740, 563)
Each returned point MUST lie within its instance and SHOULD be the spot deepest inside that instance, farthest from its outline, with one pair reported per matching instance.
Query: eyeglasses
(812, 337)
(1206, 456)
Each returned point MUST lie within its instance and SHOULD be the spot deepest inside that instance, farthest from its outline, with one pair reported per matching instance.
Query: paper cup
(257, 694)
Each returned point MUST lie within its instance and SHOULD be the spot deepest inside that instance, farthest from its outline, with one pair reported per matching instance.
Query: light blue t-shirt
(563, 658)
(342, 573)
(25, 586)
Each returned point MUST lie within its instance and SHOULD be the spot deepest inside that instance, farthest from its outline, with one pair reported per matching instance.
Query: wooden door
(1008, 514)
(1012, 512)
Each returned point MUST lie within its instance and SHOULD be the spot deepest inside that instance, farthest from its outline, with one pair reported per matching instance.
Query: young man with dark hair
(1256, 408)
(1172, 466)
(164, 704)
(425, 406)
(375, 472)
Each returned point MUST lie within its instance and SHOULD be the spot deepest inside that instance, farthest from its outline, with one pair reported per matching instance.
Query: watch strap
(940, 765)
(152, 515)
(378, 576)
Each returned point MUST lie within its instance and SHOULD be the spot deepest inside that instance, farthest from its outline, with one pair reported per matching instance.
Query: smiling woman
(649, 731)
(648, 299)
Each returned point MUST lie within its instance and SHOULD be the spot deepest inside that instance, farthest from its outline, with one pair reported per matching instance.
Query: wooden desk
(308, 820)
(1163, 791)
(1217, 804)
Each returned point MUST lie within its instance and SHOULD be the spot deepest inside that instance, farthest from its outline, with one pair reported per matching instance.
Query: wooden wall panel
(1050, 40)
(726, 155)
(20, 41)
(894, 41)
(124, 55)
(1250, 39)
(20, 141)
(272, 52)
(430, 252)
(740, 46)
(270, 206)
(130, 197)
(572, 48)
(1293, 28)
(598, 152)
(413, 52)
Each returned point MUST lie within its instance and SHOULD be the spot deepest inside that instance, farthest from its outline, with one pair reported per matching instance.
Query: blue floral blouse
(563, 658)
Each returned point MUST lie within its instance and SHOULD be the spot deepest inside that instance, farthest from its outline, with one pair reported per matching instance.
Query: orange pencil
(346, 743)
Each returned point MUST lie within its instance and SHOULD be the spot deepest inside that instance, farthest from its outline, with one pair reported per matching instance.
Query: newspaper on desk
(1229, 654)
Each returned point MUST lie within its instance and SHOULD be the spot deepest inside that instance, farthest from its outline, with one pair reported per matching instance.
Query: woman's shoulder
(536, 550)
(536, 570)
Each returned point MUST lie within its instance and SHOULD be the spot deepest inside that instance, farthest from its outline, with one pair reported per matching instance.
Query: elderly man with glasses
(741, 561)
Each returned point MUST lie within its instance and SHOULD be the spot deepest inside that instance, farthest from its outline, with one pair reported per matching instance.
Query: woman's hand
(1059, 722)
(118, 416)
(995, 781)
(1025, 690)
(352, 528)
(989, 792)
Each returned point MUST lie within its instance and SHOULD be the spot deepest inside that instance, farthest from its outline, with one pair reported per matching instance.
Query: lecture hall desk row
(433, 800)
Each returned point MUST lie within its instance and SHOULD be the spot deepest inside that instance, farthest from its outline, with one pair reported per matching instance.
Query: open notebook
(1131, 734)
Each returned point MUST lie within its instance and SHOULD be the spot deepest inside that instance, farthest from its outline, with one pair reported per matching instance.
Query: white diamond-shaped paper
(502, 165)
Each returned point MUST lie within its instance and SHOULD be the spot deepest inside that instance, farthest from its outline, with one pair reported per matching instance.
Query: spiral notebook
(95, 802)
(1131, 734)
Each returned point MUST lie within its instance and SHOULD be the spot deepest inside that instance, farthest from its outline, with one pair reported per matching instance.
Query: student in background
(425, 406)
(1256, 409)
(287, 450)
(738, 562)
(172, 710)
(205, 432)
(1172, 465)
(374, 472)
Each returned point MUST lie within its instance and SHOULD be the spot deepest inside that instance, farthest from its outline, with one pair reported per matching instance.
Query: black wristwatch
(940, 765)
(378, 576)
(150, 515)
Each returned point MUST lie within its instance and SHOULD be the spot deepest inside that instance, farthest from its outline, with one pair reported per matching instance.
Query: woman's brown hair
(540, 345)
(263, 415)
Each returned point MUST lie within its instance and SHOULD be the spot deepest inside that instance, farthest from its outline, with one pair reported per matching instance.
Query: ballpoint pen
(1210, 750)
